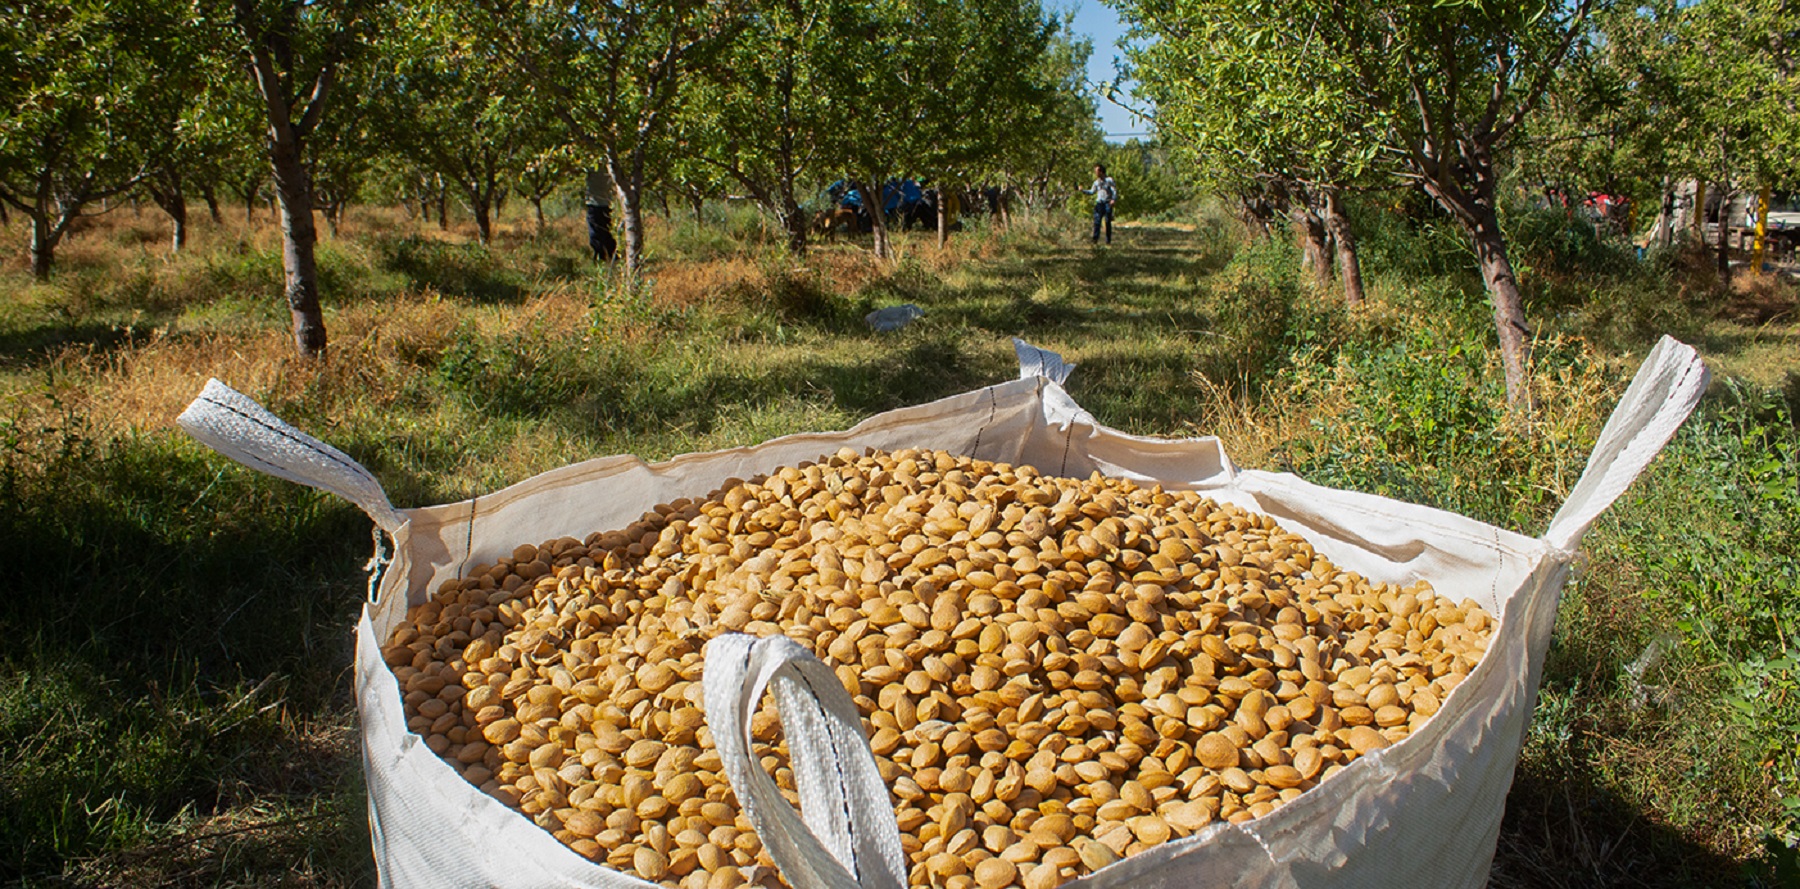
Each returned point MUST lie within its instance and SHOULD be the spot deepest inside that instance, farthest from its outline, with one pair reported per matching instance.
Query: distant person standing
(599, 217)
(600, 236)
(1106, 193)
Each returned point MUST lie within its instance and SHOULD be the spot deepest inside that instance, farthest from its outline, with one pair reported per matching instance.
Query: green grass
(175, 692)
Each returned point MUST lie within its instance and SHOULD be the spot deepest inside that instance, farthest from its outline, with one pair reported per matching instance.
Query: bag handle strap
(1659, 400)
(1036, 362)
(236, 426)
(845, 835)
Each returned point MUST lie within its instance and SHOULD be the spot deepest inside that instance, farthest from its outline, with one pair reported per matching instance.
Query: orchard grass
(175, 692)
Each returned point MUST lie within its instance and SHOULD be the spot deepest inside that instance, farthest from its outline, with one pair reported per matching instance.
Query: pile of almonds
(1054, 673)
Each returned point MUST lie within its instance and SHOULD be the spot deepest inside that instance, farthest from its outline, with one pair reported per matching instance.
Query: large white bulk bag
(1424, 812)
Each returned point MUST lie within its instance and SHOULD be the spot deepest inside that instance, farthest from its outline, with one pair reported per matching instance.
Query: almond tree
(937, 89)
(1054, 149)
(443, 103)
(1454, 82)
(1447, 85)
(609, 75)
(86, 106)
(1738, 66)
(998, 96)
(761, 116)
(293, 52)
(1257, 113)
(541, 176)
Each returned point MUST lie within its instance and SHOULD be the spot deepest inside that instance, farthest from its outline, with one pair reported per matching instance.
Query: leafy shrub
(240, 271)
(1264, 317)
(526, 373)
(1551, 241)
(1717, 531)
(1405, 235)
(1423, 418)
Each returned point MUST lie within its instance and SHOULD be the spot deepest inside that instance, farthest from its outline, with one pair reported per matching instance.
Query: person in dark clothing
(600, 236)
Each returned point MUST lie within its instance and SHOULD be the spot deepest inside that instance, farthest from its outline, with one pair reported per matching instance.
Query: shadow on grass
(177, 611)
(1144, 391)
(923, 368)
(464, 271)
(37, 345)
(648, 400)
(1566, 832)
(314, 850)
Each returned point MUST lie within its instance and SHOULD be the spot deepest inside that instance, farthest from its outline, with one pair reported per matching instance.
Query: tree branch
(1577, 18)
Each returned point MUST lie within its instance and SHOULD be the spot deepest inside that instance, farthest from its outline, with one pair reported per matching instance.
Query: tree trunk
(1349, 267)
(944, 220)
(298, 239)
(443, 209)
(211, 197)
(1257, 218)
(794, 217)
(45, 235)
(1310, 229)
(537, 206)
(1509, 307)
(878, 225)
(631, 211)
(174, 203)
(1469, 196)
(628, 187)
(1723, 251)
(481, 205)
(1699, 210)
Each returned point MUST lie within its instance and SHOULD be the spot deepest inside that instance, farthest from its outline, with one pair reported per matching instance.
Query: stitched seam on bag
(1068, 439)
(993, 411)
(843, 783)
(1494, 577)
(263, 466)
(348, 465)
(468, 538)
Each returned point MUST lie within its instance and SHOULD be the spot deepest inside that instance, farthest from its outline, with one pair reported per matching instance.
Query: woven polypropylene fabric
(1036, 362)
(848, 838)
(234, 425)
(1662, 394)
(1423, 812)
(1376, 824)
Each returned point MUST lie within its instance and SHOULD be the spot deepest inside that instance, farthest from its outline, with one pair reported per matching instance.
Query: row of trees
(1288, 106)
(176, 99)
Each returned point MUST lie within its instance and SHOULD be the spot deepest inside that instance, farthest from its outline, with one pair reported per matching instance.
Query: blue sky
(1099, 23)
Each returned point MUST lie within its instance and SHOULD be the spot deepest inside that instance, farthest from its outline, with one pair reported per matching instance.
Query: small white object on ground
(893, 317)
